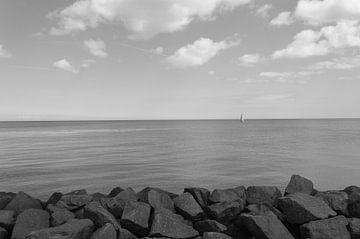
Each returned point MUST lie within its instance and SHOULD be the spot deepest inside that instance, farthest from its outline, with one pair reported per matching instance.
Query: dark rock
(59, 216)
(7, 219)
(167, 224)
(263, 194)
(21, 202)
(333, 228)
(28, 221)
(73, 201)
(115, 191)
(265, 226)
(5, 198)
(354, 227)
(99, 215)
(144, 192)
(125, 234)
(74, 229)
(300, 208)
(354, 204)
(201, 195)
(299, 184)
(209, 226)
(79, 213)
(228, 195)
(54, 198)
(116, 204)
(187, 206)
(106, 232)
(215, 235)
(337, 200)
(135, 218)
(157, 199)
(97, 196)
(78, 192)
(259, 209)
(3, 233)
(225, 212)
(349, 190)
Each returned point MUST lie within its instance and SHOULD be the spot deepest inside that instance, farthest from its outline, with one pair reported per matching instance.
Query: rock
(143, 193)
(54, 198)
(265, 226)
(349, 190)
(228, 195)
(135, 218)
(28, 221)
(74, 229)
(300, 208)
(215, 235)
(337, 200)
(21, 202)
(3, 233)
(97, 196)
(125, 234)
(209, 226)
(201, 195)
(333, 228)
(116, 204)
(7, 219)
(99, 215)
(78, 192)
(5, 198)
(299, 184)
(59, 216)
(225, 212)
(354, 227)
(354, 204)
(263, 194)
(167, 224)
(260, 209)
(187, 207)
(106, 232)
(73, 201)
(115, 191)
(157, 199)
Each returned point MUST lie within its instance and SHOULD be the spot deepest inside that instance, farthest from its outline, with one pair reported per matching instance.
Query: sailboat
(242, 119)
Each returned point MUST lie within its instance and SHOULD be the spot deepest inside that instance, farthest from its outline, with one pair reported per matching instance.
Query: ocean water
(43, 157)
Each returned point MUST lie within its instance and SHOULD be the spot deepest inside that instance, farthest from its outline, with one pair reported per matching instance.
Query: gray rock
(225, 212)
(354, 227)
(300, 208)
(215, 235)
(143, 193)
(125, 234)
(21, 202)
(209, 226)
(265, 226)
(28, 221)
(333, 228)
(78, 192)
(354, 204)
(187, 206)
(228, 195)
(74, 229)
(115, 191)
(54, 198)
(7, 219)
(135, 218)
(259, 209)
(97, 196)
(337, 200)
(106, 232)
(74, 201)
(116, 204)
(59, 216)
(201, 195)
(349, 190)
(3, 233)
(263, 194)
(99, 215)
(157, 199)
(299, 184)
(5, 198)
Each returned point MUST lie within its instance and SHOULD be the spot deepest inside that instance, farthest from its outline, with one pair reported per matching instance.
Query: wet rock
(299, 184)
(135, 218)
(215, 235)
(5, 198)
(201, 195)
(337, 200)
(21, 202)
(7, 219)
(74, 229)
(116, 204)
(225, 212)
(265, 225)
(106, 232)
(209, 226)
(263, 194)
(54, 198)
(328, 228)
(157, 199)
(167, 224)
(187, 206)
(354, 227)
(115, 191)
(3, 233)
(59, 216)
(28, 221)
(73, 201)
(300, 208)
(354, 204)
(351, 189)
(99, 215)
(228, 195)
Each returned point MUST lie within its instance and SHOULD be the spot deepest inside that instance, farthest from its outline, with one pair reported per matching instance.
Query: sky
(179, 59)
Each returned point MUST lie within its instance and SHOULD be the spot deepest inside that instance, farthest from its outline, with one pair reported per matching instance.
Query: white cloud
(263, 11)
(283, 19)
(198, 53)
(341, 63)
(144, 19)
(289, 76)
(87, 63)
(96, 48)
(4, 53)
(250, 59)
(158, 50)
(65, 65)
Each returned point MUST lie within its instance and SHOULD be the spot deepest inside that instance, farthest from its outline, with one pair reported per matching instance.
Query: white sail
(242, 119)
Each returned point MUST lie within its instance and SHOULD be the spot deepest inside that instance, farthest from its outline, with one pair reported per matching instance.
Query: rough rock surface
(300, 208)
(28, 221)
(125, 234)
(209, 226)
(21, 202)
(3, 233)
(201, 195)
(299, 184)
(73, 201)
(115, 191)
(54, 198)
(258, 209)
(157, 199)
(106, 232)
(116, 204)
(215, 235)
(225, 212)
(354, 204)
(354, 227)
(5, 198)
(135, 218)
(337, 200)
(349, 190)
(99, 215)
(187, 206)
(58, 215)
(7, 219)
(263, 194)
(228, 195)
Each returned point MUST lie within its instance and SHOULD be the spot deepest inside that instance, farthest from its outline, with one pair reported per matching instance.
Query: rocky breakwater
(262, 212)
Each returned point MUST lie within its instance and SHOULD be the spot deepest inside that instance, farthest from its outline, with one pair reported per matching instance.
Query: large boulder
(354, 227)
(7, 219)
(228, 195)
(201, 195)
(225, 212)
(215, 235)
(299, 184)
(78, 192)
(300, 208)
(143, 193)
(115, 191)
(187, 206)
(59, 216)
(116, 204)
(28, 221)
(263, 194)
(3, 233)
(333, 228)
(73, 201)
(125, 234)
(21, 202)
(349, 190)
(99, 215)
(135, 218)
(209, 226)
(74, 229)
(5, 198)
(54, 198)
(265, 226)
(167, 224)
(106, 232)
(258, 209)
(354, 204)
(337, 200)
(157, 199)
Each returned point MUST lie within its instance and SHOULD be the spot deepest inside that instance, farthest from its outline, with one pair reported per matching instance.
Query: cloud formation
(263, 11)
(96, 48)
(143, 19)
(65, 65)
(4, 53)
(341, 63)
(249, 60)
(199, 52)
(283, 19)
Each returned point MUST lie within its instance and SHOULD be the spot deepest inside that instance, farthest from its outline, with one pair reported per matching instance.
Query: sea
(43, 157)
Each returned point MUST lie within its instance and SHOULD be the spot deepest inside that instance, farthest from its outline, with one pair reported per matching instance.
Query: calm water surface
(42, 157)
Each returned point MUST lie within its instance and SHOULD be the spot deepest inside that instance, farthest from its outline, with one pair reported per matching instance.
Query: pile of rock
(253, 212)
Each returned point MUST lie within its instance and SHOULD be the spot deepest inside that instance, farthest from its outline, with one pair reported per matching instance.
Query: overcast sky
(175, 59)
